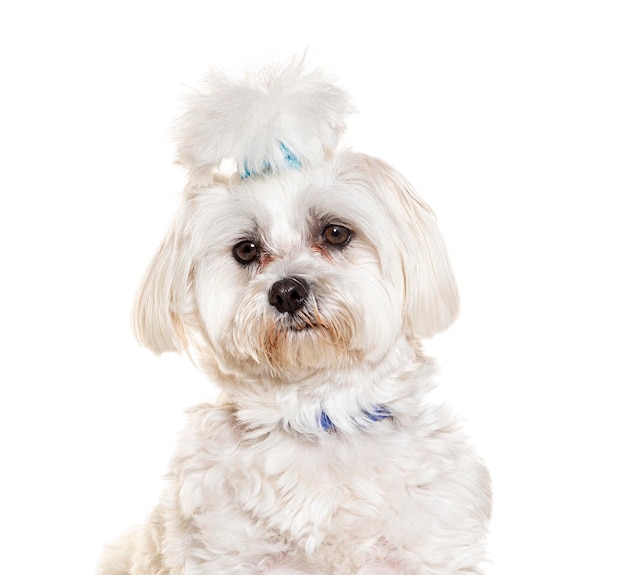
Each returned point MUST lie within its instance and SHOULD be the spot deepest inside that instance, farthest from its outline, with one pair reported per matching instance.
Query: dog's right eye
(246, 252)
(336, 236)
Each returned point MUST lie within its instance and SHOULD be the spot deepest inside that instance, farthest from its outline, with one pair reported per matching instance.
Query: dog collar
(378, 413)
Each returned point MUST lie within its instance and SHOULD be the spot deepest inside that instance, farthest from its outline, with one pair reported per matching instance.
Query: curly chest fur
(314, 497)
(314, 493)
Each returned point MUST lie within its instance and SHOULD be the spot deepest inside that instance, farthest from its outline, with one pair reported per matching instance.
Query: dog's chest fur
(332, 496)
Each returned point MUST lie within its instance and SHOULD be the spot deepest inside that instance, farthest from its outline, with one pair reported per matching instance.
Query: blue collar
(378, 413)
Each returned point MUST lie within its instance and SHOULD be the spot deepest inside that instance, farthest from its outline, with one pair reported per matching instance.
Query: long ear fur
(163, 303)
(431, 296)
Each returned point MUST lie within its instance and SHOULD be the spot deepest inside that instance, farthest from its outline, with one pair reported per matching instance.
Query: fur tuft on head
(277, 118)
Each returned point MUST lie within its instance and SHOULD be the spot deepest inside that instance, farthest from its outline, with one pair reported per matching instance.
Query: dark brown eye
(337, 236)
(246, 252)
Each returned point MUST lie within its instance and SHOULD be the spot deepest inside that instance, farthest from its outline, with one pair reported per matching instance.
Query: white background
(508, 117)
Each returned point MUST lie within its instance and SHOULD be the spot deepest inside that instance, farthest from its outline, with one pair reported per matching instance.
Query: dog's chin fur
(322, 455)
(287, 346)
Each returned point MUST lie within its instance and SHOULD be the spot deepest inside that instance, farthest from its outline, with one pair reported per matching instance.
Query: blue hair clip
(291, 161)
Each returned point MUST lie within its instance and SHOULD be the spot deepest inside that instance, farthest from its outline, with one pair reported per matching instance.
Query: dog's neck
(360, 398)
(365, 419)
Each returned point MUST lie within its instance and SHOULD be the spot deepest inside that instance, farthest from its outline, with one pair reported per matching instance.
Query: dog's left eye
(337, 236)
(246, 252)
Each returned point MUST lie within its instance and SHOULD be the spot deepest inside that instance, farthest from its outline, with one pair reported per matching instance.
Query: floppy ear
(431, 297)
(164, 297)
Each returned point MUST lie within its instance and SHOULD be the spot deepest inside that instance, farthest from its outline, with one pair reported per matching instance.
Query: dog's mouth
(304, 319)
(305, 338)
(307, 319)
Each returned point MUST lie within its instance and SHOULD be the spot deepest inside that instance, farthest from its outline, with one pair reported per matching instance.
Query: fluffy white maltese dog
(302, 277)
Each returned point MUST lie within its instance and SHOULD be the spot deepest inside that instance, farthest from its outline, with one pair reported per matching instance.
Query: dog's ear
(164, 299)
(431, 297)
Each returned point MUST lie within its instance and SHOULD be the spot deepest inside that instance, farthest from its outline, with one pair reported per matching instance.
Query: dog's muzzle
(289, 294)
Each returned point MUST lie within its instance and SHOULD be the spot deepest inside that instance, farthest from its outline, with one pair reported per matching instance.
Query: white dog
(303, 280)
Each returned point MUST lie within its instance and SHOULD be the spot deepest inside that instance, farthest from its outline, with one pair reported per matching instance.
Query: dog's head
(301, 258)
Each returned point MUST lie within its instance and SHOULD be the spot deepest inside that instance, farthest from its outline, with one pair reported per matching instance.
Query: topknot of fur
(262, 120)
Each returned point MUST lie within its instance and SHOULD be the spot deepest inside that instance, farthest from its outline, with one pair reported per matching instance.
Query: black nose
(289, 294)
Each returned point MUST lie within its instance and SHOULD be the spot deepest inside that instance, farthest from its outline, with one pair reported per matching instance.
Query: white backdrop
(508, 117)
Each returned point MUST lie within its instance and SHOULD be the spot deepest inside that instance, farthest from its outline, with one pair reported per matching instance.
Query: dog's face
(309, 269)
